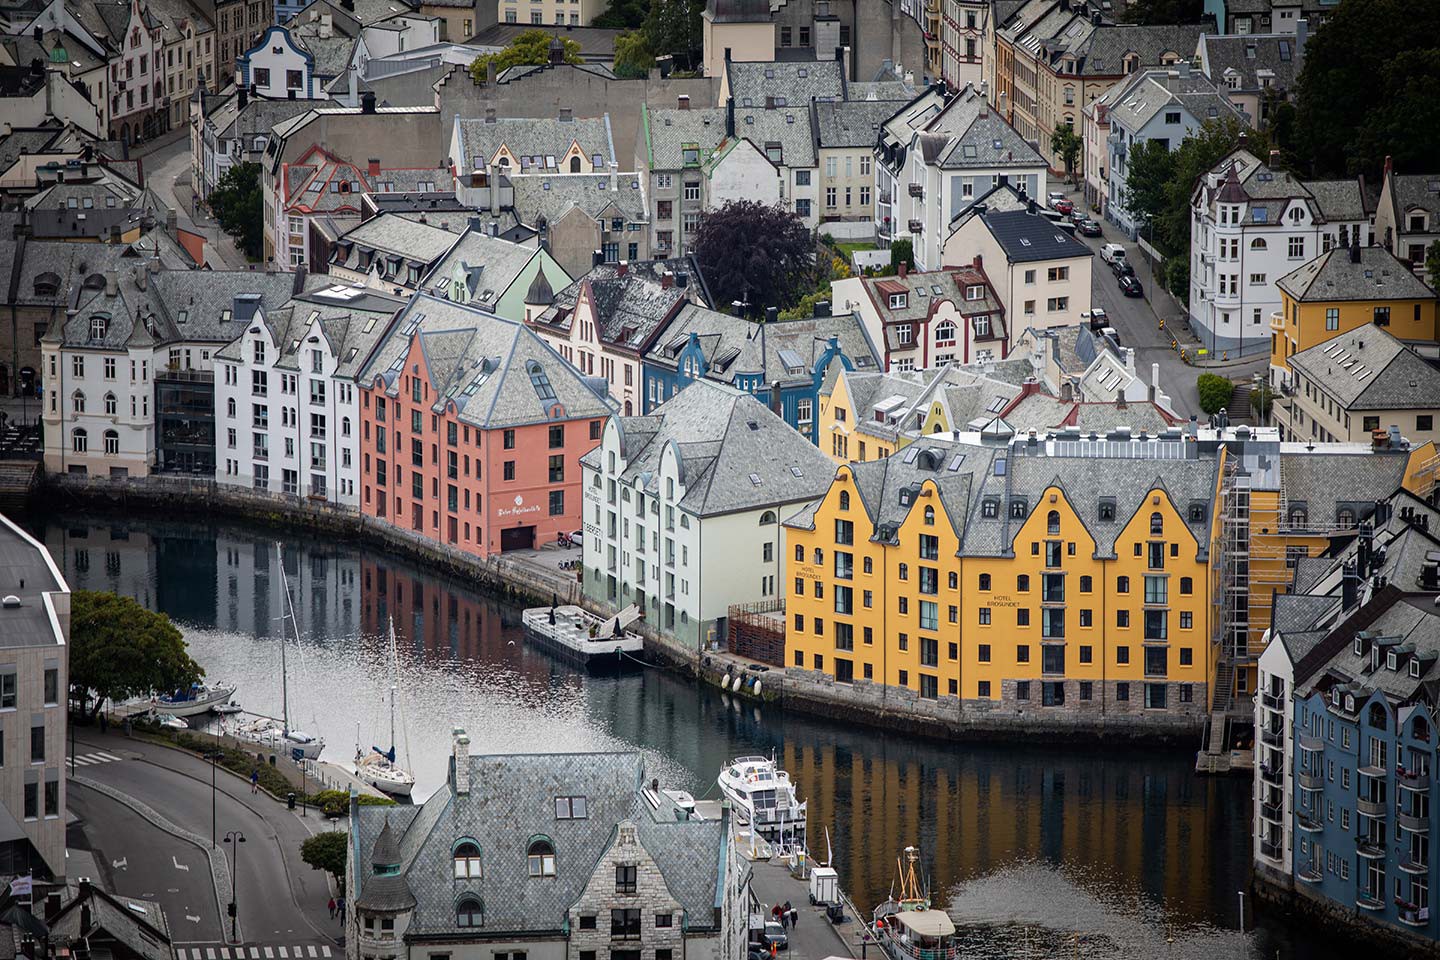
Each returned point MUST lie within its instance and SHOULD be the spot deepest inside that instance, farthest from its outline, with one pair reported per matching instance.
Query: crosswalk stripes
(86, 759)
(305, 951)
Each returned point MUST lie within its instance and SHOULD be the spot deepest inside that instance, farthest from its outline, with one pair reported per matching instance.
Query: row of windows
(1156, 695)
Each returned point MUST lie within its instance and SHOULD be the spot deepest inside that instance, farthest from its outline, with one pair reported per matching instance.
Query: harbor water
(1037, 851)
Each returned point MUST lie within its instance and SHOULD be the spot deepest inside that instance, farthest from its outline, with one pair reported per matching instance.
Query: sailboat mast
(295, 627)
(394, 681)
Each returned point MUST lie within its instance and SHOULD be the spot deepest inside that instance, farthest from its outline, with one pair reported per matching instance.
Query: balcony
(1272, 738)
(1369, 849)
(1371, 808)
(1310, 744)
(916, 226)
(917, 190)
(1413, 823)
(1277, 322)
(1308, 825)
(1272, 776)
(1309, 873)
(1272, 701)
(1272, 812)
(1377, 773)
(1366, 900)
(1418, 780)
(1271, 850)
(1410, 915)
(1410, 865)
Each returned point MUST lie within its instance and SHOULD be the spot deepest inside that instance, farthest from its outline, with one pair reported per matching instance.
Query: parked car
(1122, 268)
(1130, 286)
(1088, 228)
(1079, 215)
(1061, 204)
(1111, 252)
(1096, 317)
(775, 933)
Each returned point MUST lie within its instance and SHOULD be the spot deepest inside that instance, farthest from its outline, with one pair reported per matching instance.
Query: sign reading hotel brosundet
(518, 510)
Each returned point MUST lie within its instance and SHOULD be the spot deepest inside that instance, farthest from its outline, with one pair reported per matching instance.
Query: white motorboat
(379, 767)
(763, 796)
(279, 735)
(581, 637)
(197, 699)
(171, 722)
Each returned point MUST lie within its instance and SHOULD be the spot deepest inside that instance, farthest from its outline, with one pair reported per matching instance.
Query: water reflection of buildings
(323, 588)
(115, 558)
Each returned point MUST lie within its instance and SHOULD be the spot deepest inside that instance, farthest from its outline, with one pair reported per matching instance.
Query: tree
(1370, 88)
(239, 206)
(1147, 182)
(120, 650)
(761, 255)
(633, 57)
(674, 27)
(1161, 12)
(622, 15)
(531, 48)
(1215, 392)
(1432, 261)
(1065, 143)
(326, 851)
(902, 251)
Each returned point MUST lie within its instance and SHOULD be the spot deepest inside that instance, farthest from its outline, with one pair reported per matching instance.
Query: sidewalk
(188, 806)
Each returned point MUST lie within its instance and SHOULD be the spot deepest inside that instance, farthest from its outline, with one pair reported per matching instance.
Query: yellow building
(1067, 576)
(1344, 289)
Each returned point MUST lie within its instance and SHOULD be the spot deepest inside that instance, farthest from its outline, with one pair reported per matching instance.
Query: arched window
(574, 164)
(1052, 522)
(819, 555)
(1345, 517)
(469, 912)
(984, 581)
(799, 553)
(541, 857)
(929, 516)
(1377, 718)
(1187, 586)
(77, 401)
(79, 440)
(844, 499)
(1258, 244)
(1157, 524)
(112, 443)
(344, 426)
(944, 333)
(766, 518)
(110, 404)
(467, 860)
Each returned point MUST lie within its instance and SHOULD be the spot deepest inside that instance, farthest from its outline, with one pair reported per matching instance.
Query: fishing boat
(198, 698)
(379, 767)
(764, 797)
(906, 926)
(581, 637)
(266, 731)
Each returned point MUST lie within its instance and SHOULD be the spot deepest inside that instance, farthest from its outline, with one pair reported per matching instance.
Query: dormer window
(990, 508)
(899, 301)
(1392, 662)
(467, 861)
(540, 857)
(1335, 694)
(1359, 650)
(469, 912)
(97, 328)
(1107, 508)
(1017, 509)
(1414, 668)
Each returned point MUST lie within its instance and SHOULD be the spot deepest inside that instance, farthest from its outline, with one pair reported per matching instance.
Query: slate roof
(1324, 482)
(1251, 57)
(737, 11)
(1412, 626)
(852, 123)
(788, 126)
(256, 119)
(630, 308)
(735, 453)
(966, 132)
(552, 196)
(511, 800)
(482, 363)
(667, 131)
(136, 923)
(332, 51)
(1334, 276)
(396, 239)
(1368, 369)
(1415, 192)
(735, 346)
(490, 266)
(796, 84)
(1026, 236)
(1149, 92)
(528, 137)
(353, 320)
(1038, 411)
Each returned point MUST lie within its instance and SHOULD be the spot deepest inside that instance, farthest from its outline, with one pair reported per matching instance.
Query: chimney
(682, 279)
(979, 261)
(354, 77)
(622, 268)
(1120, 403)
(1302, 35)
(39, 34)
(367, 102)
(1355, 253)
(567, 114)
(904, 269)
(737, 307)
(489, 114)
(683, 101)
(1389, 166)
(52, 907)
(1349, 587)
(1182, 69)
(85, 919)
(372, 167)
(460, 761)
(822, 309)
(775, 405)
(769, 103)
(667, 280)
(730, 117)
(244, 96)
(614, 176)
(772, 314)
(490, 72)
(1274, 159)
(112, 283)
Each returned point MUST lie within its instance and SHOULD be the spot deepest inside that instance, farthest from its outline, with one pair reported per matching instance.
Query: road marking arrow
(122, 864)
(179, 865)
(192, 919)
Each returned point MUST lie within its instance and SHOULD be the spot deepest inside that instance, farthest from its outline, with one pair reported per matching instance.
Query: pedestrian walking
(332, 908)
(340, 908)
(794, 918)
(254, 779)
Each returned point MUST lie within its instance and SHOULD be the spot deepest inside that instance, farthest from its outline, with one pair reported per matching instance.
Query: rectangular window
(37, 743)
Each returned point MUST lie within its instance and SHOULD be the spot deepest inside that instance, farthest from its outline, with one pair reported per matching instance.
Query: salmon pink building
(472, 429)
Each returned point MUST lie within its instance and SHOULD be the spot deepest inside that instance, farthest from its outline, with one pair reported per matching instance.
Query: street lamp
(213, 756)
(237, 838)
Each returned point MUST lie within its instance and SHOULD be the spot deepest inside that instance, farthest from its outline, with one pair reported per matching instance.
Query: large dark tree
(531, 48)
(622, 15)
(239, 206)
(674, 27)
(1370, 88)
(120, 650)
(1163, 11)
(754, 253)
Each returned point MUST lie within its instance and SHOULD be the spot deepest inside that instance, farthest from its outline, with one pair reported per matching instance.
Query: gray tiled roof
(967, 132)
(332, 51)
(787, 83)
(490, 266)
(1334, 275)
(667, 131)
(1149, 92)
(512, 800)
(1413, 625)
(1416, 192)
(788, 126)
(533, 136)
(735, 453)
(1323, 482)
(1338, 199)
(482, 364)
(853, 123)
(1026, 236)
(392, 237)
(734, 346)
(1249, 57)
(552, 196)
(1367, 369)
(630, 308)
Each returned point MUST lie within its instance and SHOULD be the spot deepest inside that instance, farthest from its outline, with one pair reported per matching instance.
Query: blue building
(1345, 725)
(789, 364)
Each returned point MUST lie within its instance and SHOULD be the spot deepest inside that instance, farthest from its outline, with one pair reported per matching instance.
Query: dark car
(1079, 215)
(1122, 267)
(1088, 228)
(775, 934)
(1130, 286)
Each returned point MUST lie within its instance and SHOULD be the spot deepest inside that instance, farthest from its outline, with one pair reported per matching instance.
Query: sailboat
(266, 731)
(379, 767)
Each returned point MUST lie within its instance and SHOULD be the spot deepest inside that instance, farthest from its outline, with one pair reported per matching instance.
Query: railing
(1308, 825)
(1272, 812)
(1271, 850)
(1272, 738)
(1371, 808)
(1369, 848)
(1277, 321)
(1413, 916)
(1271, 776)
(1271, 702)
(1413, 823)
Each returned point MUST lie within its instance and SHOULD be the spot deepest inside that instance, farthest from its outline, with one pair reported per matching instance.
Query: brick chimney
(461, 762)
(683, 101)
(904, 269)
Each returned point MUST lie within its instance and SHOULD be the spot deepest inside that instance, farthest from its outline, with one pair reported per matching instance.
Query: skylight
(796, 472)
(540, 381)
(955, 462)
(755, 479)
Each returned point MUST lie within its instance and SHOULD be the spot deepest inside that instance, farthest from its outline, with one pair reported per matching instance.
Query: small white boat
(198, 699)
(581, 637)
(764, 797)
(227, 709)
(273, 735)
(171, 722)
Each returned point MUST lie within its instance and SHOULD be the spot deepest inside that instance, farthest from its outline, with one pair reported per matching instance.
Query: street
(167, 174)
(281, 902)
(1134, 319)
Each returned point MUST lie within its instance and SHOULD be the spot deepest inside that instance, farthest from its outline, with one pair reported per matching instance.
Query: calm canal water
(1039, 851)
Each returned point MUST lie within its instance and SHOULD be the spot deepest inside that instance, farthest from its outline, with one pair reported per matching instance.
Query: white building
(936, 157)
(1164, 106)
(682, 509)
(1251, 224)
(287, 414)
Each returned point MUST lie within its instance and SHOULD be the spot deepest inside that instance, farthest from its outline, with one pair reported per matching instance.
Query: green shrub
(1215, 392)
